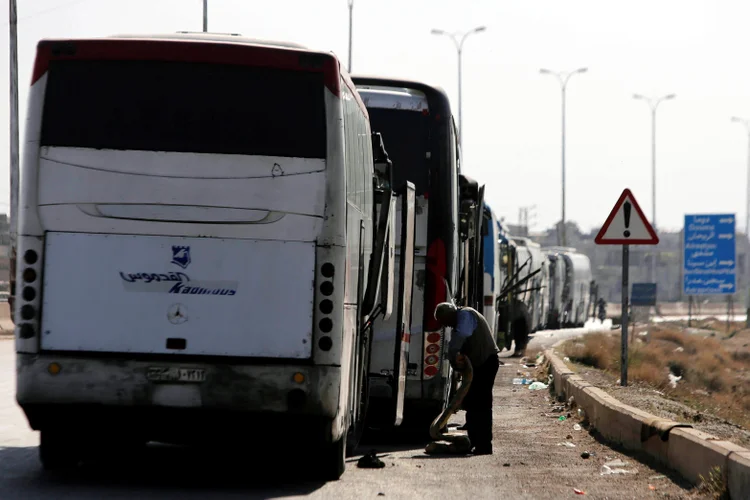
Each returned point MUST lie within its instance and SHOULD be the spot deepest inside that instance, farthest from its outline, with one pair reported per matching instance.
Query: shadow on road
(160, 471)
(400, 440)
(642, 457)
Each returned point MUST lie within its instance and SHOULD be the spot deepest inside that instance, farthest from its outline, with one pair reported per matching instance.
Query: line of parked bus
(529, 288)
(219, 234)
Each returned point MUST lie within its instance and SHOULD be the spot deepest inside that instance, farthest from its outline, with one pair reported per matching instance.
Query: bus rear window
(406, 136)
(184, 107)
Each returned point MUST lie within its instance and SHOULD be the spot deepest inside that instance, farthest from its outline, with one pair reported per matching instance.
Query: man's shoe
(482, 450)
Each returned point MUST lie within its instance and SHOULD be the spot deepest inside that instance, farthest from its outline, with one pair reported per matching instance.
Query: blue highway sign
(709, 261)
(644, 294)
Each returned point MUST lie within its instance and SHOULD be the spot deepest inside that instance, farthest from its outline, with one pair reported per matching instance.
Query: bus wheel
(57, 450)
(354, 436)
(333, 460)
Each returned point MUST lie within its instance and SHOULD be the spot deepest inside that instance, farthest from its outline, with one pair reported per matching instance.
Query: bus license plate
(157, 374)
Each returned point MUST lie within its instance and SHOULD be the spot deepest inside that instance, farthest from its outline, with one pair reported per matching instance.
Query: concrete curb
(678, 446)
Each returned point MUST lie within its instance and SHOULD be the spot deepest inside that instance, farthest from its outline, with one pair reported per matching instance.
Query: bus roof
(559, 249)
(391, 98)
(381, 83)
(209, 48)
(524, 241)
(212, 37)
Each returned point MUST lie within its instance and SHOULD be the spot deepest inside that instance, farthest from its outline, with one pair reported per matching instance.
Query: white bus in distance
(196, 242)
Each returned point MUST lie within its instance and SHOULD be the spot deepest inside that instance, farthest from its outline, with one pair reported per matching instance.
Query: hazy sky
(511, 112)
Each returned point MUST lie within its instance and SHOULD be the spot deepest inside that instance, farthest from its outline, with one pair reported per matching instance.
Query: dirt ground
(6, 325)
(702, 409)
(645, 398)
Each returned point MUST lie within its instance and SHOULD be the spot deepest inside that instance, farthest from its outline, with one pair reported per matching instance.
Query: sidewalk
(6, 326)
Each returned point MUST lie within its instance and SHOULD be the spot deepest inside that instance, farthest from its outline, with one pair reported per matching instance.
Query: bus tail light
(432, 354)
(435, 293)
(329, 323)
(26, 293)
(488, 300)
(12, 284)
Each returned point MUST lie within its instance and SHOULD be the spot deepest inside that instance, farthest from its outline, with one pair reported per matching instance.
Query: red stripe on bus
(211, 52)
(435, 292)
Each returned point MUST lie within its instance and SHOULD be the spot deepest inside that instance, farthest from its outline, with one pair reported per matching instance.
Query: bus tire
(333, 460)
(357, 430)
(57, 450)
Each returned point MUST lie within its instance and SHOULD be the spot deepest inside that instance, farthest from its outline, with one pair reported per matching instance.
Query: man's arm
(466, 323)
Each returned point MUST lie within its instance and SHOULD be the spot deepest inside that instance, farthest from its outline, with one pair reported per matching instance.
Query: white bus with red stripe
(196, 241)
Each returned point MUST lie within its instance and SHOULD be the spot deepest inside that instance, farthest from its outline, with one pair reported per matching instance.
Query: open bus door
(477, 264)
(379, 297)
(406, 279)
(468, 195)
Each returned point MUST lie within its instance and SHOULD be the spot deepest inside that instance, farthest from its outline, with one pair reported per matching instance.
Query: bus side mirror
(382, 163)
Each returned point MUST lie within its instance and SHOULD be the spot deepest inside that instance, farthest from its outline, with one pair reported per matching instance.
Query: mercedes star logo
(177, 314)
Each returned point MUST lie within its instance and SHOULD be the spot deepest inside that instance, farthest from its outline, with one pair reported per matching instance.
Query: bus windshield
(406, 135)
(184, 107)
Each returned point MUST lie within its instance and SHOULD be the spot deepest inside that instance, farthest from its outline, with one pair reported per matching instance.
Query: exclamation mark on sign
(626, 208)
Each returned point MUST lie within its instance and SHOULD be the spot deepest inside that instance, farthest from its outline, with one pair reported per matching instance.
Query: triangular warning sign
(626, 224)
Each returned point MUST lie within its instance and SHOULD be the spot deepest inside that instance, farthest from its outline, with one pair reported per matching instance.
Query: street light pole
(351, 23)
(205, 16)
(14, 127)
(459, 43)
(653, 104)
(746, 123)
(563, 79)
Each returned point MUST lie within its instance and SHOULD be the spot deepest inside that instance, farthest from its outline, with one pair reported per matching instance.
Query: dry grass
(715, 373)
(718, 325)
(599, 350)
(715, 486)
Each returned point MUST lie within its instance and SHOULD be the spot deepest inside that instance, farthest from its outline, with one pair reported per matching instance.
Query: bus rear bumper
(90, 391)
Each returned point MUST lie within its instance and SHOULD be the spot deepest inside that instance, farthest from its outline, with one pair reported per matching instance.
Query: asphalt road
(528, 462)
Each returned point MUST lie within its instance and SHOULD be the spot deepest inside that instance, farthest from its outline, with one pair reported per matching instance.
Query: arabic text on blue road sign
(709, 255)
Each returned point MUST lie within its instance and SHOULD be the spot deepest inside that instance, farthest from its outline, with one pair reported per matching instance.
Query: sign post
(626, 225)
(709, 263)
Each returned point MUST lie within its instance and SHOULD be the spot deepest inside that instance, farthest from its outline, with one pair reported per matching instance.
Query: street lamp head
(638, 96)
(670, 96)
(438, 32)
(736, 119)
(581, 70)
(545, 71)
(480, 29)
